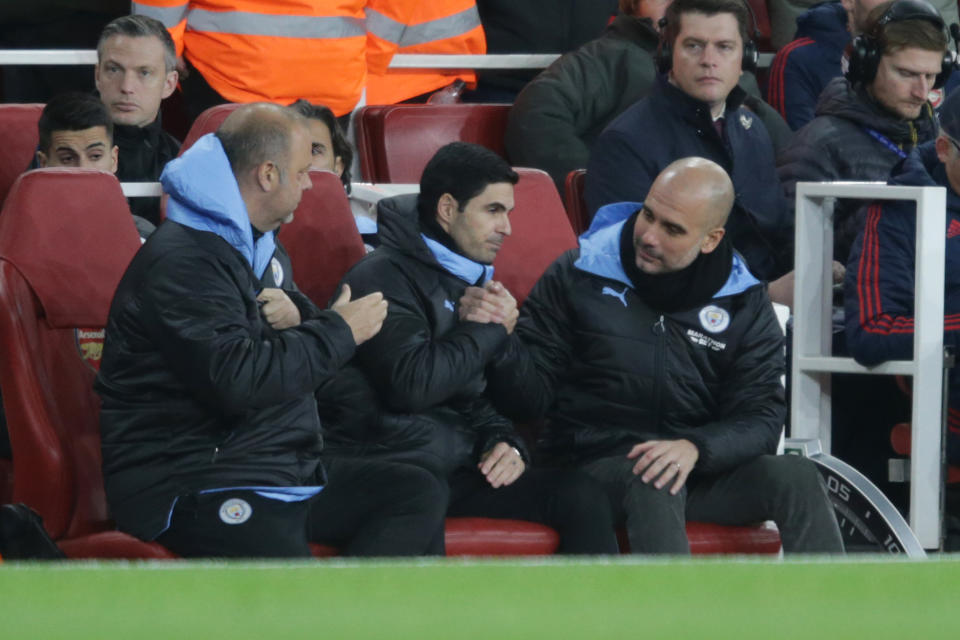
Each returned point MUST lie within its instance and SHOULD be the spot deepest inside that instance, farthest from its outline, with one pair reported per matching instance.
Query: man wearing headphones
(868, 121)
(695, 109)
(866, 124)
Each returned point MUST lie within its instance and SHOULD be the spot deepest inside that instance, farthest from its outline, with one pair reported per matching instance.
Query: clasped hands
(491, 303)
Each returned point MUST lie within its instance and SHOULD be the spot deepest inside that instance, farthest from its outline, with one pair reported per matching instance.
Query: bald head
(683, 215)
(257, 133)
(700, 185)
(269, 149)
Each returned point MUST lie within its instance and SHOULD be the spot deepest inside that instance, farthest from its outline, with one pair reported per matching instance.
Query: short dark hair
(140, 26)
(72, 111)
(916, 33)
(677, 8)
(463, 170)
(256, 133)
(341, 148)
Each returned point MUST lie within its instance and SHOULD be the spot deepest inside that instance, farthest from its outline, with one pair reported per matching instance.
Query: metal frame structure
(399, 61)
(813, 363)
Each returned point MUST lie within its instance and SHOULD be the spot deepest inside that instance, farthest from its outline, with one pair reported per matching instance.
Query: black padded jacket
(420, 381)
(609, 371)
(198, 390)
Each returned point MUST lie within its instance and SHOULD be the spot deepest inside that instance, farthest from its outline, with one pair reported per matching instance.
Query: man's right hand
(364, 315)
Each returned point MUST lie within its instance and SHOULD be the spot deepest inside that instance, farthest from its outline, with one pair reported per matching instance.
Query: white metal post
(812, 359)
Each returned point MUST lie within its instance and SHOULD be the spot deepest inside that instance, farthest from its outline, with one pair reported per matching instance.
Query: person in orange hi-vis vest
(275, 51)
(415, 26)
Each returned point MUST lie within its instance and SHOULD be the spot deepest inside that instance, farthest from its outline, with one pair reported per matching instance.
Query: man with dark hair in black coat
(555, 121)
(422, 378)
(695, 109)
(657, 358)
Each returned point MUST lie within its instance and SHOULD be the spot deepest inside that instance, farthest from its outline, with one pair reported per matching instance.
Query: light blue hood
(600, 250)
(204, 195)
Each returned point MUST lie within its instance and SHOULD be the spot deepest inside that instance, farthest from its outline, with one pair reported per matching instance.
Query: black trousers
(368, 508)
(785, 489)
(567, 500)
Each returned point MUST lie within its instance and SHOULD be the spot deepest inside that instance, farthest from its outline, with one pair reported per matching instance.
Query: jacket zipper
(660, 330)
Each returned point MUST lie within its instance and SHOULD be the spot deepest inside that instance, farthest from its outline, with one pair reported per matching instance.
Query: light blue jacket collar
(600, 251)
(464, 268)
(204, 195)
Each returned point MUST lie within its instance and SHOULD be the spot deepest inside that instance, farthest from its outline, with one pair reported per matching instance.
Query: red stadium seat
(762, 32)
(56, 283)
(573, 189)
(717, 539)
(900, 441)
(541, 232)
(395, 142)
(207, 122)
(323, 241)
(6, 481)
(18, 130)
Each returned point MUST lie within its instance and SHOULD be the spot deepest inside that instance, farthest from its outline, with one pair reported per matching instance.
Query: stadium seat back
(395, 142)
(540, 233)
(207, 122)
(18, 130)
(573, 201)
(66, 237)
(322, 240)
(761, 29)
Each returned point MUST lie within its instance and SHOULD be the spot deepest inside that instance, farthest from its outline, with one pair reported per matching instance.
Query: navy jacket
(879, 281)
(669, 125)
(802, 68)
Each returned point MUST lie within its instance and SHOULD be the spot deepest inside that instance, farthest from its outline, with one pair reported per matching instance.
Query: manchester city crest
(235, 511)
(277, 270)
(714, 319)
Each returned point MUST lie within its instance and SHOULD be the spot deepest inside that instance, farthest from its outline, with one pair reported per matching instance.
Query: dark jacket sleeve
(618, 170)
(780, 134)
(227, 362)
(522, 381)
(492, 429)
(808, 158)
(880, 288)
(410, 369)
(752, 405)
(794, 86)
(559, 114)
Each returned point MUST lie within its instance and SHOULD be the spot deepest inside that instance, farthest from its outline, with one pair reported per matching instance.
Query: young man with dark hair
(421, 380)
(209, 428)
(868, 121)
(75, 130)
(136, 70)
(696, 109)
(656, 358)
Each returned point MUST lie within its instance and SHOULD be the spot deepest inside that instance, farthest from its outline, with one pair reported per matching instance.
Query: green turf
(489, 600)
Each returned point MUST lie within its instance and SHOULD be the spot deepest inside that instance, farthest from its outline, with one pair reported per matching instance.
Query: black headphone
(866, 49)
(751, 55)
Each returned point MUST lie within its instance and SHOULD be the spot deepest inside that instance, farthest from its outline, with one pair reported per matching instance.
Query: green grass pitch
(618, 598)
